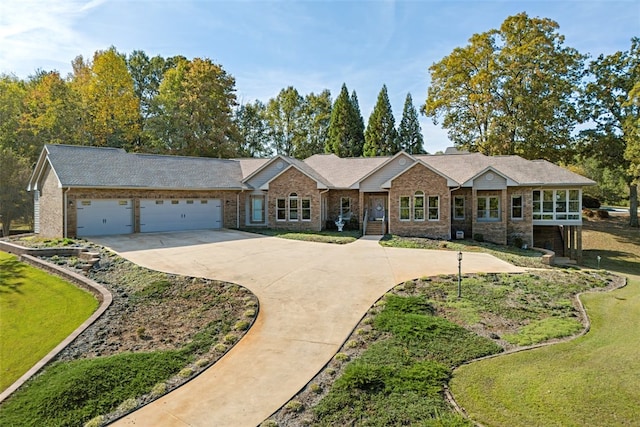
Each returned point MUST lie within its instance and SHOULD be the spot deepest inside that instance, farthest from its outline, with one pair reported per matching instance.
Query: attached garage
(180, 214)
(99, 217)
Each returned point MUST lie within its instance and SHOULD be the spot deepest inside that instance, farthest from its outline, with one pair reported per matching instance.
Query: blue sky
(311, 45)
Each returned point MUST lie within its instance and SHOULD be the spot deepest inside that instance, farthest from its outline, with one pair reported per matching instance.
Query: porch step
(375, 228)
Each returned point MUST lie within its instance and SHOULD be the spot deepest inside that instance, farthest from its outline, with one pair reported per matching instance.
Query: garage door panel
(180, 214)
(104, 217)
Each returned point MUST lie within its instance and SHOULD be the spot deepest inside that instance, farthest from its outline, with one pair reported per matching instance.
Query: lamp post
(459, 274)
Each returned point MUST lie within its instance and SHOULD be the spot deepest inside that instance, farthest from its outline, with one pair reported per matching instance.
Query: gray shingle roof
(463, 167)
(79, 166)
(82, 166)
(343, 172)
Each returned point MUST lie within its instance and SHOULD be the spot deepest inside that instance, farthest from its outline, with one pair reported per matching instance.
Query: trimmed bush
(590, 202)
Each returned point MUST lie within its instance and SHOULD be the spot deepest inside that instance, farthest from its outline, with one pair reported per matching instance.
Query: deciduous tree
(611, 103)
(316, 117)
(284, 115)
(509, 91)
(196, 101)
(253, 130)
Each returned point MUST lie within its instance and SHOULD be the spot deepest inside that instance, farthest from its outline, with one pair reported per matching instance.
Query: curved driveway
(311, 297)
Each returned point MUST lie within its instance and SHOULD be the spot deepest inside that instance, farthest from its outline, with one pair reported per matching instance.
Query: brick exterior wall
(228, 198)
(491, 231)
(294, 181)
(51, 201)
(420, 178)
(522, 228)
(465, 224)
(333, 203)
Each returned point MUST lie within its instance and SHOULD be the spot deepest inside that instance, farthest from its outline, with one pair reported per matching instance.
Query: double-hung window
(405, 208)
(306, 209)
(458, 207)
(516, 207)
(293, 207)
(345, 205)
(281, 210)
(489, 208)
(434, 208)
(418, 206)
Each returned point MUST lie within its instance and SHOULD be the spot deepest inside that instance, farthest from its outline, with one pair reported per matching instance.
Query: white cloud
(37, 34)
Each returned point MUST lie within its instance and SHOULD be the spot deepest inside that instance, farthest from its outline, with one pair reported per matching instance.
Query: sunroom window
(560, 205)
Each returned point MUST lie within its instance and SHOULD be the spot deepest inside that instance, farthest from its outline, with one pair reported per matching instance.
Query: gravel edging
(102, 294)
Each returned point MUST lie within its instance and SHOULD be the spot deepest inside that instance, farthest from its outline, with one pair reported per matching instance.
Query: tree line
(513, 90)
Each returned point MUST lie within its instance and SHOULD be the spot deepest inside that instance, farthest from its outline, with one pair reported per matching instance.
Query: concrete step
(560, 260)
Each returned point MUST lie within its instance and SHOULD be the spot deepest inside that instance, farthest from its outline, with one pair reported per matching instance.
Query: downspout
(451, 214)
(64, 212)
(238, 208)
(321, 208)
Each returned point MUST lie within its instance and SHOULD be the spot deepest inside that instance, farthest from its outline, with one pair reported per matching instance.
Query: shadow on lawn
(616, 261)
(11, 271)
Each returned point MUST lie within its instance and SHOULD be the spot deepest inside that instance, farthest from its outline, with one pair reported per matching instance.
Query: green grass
(75, 392)
(592, 380)
(37, 311)
(515, 256)
(399, 380)
(325, 236)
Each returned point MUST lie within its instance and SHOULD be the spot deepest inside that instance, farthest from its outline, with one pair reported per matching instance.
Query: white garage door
(180, 214)
(103, 217)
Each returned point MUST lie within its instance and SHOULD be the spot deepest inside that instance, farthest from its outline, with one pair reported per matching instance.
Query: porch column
(572, 240)
(579, 244)
(566, 250)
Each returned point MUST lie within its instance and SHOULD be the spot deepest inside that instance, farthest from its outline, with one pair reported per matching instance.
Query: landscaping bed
(395, 367)
(160, 331)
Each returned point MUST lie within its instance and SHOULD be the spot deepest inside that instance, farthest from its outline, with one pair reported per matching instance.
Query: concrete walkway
(311, 297)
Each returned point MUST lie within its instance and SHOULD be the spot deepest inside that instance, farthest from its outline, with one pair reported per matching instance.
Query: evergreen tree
(339, 134)
(409, 132)
(381, 136)
(357, 141)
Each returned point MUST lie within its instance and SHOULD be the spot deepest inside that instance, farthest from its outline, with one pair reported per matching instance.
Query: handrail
(364, 222)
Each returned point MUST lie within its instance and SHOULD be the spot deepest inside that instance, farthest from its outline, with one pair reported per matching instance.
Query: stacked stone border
(102, 294)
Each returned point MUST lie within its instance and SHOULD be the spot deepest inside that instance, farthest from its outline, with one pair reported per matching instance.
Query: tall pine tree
(409, 133)
(345, 127)
(380, 138)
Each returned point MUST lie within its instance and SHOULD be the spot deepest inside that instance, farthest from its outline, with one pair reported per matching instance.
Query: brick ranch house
(86, 191)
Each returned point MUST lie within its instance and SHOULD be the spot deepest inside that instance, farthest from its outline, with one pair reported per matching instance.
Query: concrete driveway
(311, 297)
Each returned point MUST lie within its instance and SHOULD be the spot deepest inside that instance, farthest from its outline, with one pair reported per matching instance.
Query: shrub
(249, 313)
(590, 202)
(341, 357)
(602, 214)
(269, 423)
(478, 237)
(202, 362)
(127, 405)
(294, 406)
(230, 339)
(95, 421)
(517, 242)
(241, 325)
(363, 376)
(159, 389)
(315, 387)
(185, 373)
(220, 348)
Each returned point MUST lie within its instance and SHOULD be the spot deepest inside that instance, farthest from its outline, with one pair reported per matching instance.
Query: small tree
(14, 199)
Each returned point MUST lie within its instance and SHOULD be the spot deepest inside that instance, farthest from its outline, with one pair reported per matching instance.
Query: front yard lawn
(325, 236)
(37, 311)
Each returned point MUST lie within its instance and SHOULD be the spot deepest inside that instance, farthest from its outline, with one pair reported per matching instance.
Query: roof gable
(450, 182)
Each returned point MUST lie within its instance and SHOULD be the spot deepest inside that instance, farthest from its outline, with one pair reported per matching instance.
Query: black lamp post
(459, 274)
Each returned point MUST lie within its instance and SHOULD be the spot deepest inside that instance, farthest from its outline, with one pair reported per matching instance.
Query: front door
(377, 207)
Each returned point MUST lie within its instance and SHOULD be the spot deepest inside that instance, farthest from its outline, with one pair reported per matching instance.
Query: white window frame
(418, 195)
(293, 206)
(521, 206)
(559, 205)
(487, 209)
(406, 208)
(455, 216)
(431, 208)
(307, 209)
